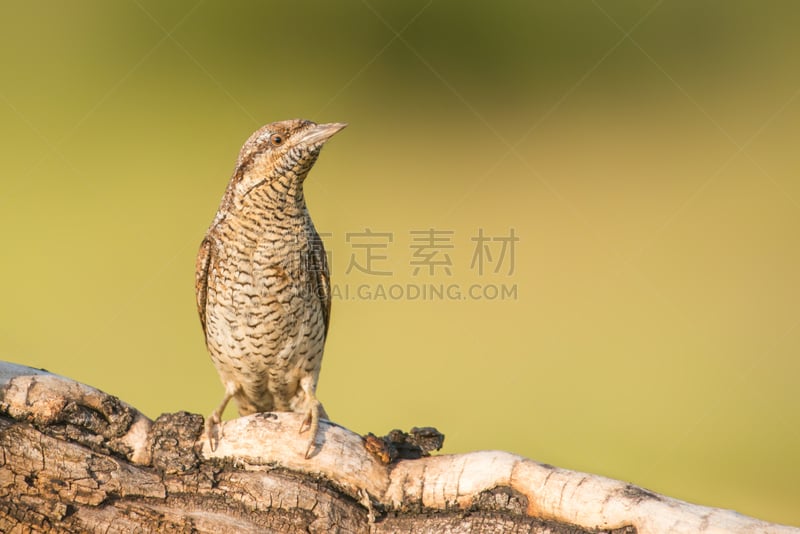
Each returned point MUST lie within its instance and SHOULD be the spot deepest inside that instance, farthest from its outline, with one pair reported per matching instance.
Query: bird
(262, 280)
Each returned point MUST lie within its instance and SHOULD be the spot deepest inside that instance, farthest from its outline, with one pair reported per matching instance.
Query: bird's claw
(311, 424)
(213, 431)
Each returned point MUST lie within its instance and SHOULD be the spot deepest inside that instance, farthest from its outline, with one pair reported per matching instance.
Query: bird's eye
(276, 139)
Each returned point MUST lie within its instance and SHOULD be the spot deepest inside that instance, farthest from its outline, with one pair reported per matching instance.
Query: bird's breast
(261, 265)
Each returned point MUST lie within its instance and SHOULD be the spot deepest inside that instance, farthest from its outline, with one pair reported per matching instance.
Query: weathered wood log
(75, 459)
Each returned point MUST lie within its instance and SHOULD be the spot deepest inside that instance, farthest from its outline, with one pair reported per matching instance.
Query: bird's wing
(201, 279)
(320, 277)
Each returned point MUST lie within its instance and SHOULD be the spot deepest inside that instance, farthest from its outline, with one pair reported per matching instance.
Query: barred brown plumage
(262, 280)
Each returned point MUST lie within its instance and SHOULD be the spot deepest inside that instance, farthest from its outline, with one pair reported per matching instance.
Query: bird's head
(280, 155)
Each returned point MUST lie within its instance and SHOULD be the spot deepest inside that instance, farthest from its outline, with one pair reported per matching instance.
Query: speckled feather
(262, 280)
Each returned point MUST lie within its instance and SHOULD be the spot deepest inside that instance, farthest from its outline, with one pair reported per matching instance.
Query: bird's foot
(214, 421)
(311, 424)
(213, 430)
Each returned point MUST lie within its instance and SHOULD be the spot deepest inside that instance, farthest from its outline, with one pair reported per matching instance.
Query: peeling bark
(75, 459)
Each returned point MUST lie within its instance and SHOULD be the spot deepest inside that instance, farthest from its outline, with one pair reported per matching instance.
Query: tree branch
(77, 459)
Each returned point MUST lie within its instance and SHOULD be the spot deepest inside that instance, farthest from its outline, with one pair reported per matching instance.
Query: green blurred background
(645, 154)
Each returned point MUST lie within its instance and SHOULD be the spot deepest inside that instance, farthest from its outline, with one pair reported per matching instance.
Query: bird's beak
(321, 133)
